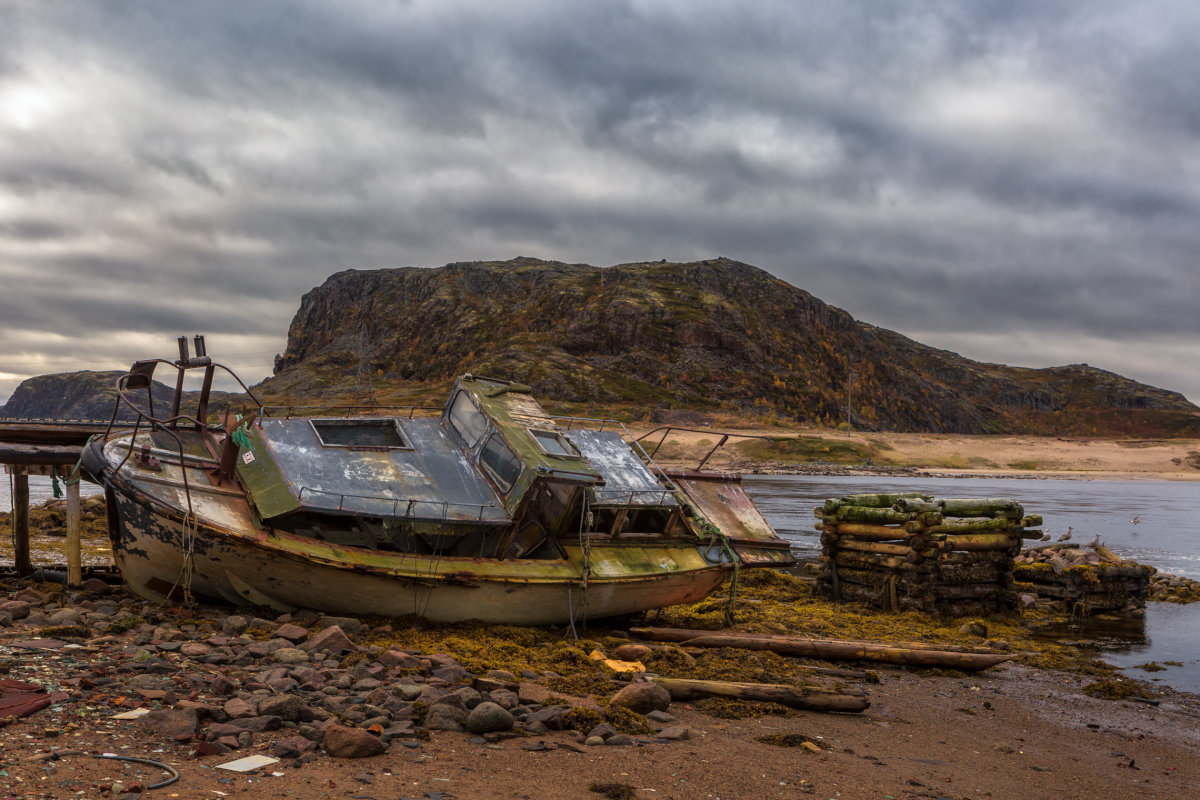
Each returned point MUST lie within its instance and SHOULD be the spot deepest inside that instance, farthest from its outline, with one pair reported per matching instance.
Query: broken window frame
(503, 483)
(466, 418)
(364, 423)
(569, 450)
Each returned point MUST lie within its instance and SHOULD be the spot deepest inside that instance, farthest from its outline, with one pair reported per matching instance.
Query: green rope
(241, 435)
(77, 470)
(56, 485)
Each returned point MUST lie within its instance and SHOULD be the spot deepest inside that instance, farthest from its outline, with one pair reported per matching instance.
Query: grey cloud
(217, 157)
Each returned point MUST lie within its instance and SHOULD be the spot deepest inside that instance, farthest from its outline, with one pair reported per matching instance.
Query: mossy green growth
(1119, 689)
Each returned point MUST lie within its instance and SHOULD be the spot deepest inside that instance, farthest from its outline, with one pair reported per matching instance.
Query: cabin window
(360, 433)
(554, 443)
(467, 419)
(500, 462)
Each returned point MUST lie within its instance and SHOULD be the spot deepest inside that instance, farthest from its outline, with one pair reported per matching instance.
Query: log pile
(1084, 580)
(913, 552)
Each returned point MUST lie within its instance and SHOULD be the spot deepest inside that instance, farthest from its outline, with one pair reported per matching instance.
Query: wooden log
(875, 516)
(1108, 555)
(21, 523)
(971, 542)
(908, 653)
(882, 548)
(917, 504)
(880, 500)
(981, 507)
(74, 555)
(854, 560)
(873, 533)
(929, 518)
(1031, 521)
(810, 698)
(1031, 533)
(971, 524)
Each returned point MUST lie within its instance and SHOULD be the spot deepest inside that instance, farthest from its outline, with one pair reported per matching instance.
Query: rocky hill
(87, 396)
(710, 335)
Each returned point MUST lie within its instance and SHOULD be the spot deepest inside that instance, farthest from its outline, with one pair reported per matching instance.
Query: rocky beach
(341, 707)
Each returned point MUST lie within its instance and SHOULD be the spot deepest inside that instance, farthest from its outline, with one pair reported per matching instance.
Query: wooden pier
(45, 447)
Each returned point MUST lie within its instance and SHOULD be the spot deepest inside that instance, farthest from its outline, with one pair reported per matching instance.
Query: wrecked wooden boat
(490, 510)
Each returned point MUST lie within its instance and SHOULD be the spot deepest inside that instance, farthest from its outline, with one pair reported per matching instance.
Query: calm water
(1167, 536)
(40, 490)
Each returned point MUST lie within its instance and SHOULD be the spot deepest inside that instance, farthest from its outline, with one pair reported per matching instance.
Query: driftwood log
(812, 698)
(906, 653)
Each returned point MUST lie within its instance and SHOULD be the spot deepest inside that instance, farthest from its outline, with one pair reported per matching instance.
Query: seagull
(1066, 537)
(1136, 519)
(1045, 537)
(1095, 542)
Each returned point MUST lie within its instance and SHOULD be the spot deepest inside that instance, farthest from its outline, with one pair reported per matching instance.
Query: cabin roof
(379, 466)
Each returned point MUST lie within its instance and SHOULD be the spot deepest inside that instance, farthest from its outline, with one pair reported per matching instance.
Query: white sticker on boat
(248, 456)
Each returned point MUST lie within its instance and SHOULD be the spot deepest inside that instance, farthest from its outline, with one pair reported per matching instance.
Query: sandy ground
(1011, 732)
(1023, 456)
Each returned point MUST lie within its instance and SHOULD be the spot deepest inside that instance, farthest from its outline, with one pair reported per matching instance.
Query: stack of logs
(912, 552)
(1084, 581)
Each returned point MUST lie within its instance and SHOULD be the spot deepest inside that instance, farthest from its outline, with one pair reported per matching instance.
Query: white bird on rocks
(1066, 537)
(1045, 537)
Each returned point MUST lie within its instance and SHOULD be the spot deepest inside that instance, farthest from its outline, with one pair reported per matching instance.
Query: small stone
(259, 724)
(619, 740)
(194, 649)
(19, 609)
(66, 616)
(643, 698)
(237, 708)
(488, 717)
(632, 652)
(603, 730)
(332, 640)
(550, 716)
(660, 717)
(95, 586)
(285, 706)
(293, 633)
(176, 723)
(445, 717)
(290, 655)
(974, 629)
(342, 742)
(292, 747)
(675, 733)
(593, 741)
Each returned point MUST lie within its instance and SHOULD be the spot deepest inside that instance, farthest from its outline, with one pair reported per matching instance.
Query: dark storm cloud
(964, 172)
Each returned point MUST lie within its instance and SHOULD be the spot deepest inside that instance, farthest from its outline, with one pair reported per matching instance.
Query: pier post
(21, 521)
(74, 560)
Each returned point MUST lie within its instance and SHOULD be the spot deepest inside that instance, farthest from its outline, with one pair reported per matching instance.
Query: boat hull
(151, 543)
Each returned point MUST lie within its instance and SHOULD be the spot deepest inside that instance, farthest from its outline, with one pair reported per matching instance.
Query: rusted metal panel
(627, 481)
(725, 503)
(431, 480)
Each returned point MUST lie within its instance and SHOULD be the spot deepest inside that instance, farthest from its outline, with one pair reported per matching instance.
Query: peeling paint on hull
(243, 570)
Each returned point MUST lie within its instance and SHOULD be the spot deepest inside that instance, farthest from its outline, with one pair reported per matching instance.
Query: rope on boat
(189, 528)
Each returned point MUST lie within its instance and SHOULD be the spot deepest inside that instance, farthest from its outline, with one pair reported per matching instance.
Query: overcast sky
(1015, 181)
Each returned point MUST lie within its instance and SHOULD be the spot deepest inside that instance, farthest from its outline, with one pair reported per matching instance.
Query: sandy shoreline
(939, 455)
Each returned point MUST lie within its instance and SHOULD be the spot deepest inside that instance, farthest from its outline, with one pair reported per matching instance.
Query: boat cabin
(493, 476)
